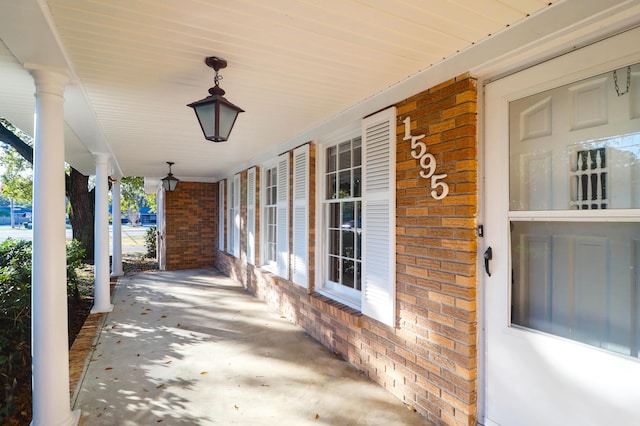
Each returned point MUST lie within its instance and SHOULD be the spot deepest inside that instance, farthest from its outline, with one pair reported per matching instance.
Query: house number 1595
(427, 162)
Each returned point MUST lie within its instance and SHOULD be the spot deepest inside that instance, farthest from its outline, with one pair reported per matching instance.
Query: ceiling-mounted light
(216, 115)
(169, 182)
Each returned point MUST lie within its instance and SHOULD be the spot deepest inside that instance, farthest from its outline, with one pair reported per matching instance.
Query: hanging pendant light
(169, 182)
(215, 114)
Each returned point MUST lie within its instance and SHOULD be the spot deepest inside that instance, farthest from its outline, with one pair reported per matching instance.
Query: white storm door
(562, 301)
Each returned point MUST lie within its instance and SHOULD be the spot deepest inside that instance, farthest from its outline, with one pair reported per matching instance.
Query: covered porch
(193, 347)
(281, 207)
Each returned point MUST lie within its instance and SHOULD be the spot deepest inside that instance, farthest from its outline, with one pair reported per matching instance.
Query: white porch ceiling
(292, 65)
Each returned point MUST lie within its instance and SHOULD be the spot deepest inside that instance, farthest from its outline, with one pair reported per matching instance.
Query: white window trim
(264, 264)
(221, 215)
(377, 298)
(251, 216)
(280, 267)
(336, 292)
(233, 215)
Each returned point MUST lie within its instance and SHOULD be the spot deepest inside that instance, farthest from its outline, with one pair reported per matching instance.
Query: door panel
(562, 303)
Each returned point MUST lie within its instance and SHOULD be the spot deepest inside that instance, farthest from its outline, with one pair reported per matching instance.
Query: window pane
(358, 284)
(344, 190)
(348, 249)
(348, 214)
(334, 242)
(344, 155)
(577, 280)
(331, 186)
(357, 152)
(271, 255)
(331, 159)
(334, 215)
(357, 177)
(334, 269)
(348, 273)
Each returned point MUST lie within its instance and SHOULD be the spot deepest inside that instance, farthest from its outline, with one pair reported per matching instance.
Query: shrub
(15, 311)
(150, 240)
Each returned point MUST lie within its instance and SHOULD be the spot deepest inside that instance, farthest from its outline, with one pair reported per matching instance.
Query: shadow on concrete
(192, 347)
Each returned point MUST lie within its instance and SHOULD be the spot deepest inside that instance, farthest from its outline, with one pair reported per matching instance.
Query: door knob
(488, 255)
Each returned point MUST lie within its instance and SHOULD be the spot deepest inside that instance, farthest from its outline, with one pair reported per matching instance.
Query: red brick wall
(430, 359)
(191, 228)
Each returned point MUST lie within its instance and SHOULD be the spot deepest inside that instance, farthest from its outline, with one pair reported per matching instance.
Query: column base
(101, 309)
(73, 420)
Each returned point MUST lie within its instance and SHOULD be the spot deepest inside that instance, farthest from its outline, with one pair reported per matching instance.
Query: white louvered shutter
(300, 243)
(282, 231)
(378, 208)
(251, 216)
(236, 215)
(221, 215)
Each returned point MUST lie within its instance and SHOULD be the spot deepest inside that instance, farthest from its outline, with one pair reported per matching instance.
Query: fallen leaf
(109, 368)
(317, 416)
(143, 313)
(119, 341)
(161, 386)
(164, 316)
(236, 407)
(203, 372)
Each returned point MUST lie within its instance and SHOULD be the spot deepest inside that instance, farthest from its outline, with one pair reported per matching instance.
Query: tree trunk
(82, 211)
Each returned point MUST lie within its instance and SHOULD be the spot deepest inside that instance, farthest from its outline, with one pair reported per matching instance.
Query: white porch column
(49, 337)
(116, 229)
(102, 295)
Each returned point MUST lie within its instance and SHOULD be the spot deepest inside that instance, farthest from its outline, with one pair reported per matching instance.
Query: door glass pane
(578, 280)
(575, 148)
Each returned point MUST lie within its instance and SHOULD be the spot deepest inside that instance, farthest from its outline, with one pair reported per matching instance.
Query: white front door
(563, 223)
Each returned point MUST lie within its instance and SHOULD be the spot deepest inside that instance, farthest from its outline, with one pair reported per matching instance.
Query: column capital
(49, 79)
(102, 157)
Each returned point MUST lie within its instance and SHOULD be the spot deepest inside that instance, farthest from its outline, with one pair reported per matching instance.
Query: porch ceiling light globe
(216, 114)
(169, 182)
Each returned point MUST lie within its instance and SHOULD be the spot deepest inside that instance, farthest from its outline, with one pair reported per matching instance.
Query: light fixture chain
(615, 81)
(217, 78)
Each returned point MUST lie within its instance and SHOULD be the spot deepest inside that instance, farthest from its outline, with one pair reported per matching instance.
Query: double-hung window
(357, 223)
(233, 217)
(275, 216)
(343, 215)
(270, 213)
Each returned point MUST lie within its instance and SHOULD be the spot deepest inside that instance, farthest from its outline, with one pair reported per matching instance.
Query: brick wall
(436, 250)
(191, 228)
(430, 359)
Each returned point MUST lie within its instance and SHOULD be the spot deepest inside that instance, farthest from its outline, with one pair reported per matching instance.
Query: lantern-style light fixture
(169, 182)
(216, 115)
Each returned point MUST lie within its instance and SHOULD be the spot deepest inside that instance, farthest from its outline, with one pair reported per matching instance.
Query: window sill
(342, 312)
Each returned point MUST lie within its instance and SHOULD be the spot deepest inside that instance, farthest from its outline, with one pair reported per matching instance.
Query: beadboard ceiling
(292, 65)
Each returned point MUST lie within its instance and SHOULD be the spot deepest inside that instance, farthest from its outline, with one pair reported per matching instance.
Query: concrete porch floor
(192, 347)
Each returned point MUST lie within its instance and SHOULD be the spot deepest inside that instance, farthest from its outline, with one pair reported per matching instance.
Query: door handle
(488, 255)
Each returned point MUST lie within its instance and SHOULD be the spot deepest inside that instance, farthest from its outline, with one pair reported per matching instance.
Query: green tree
(17, 180)
(133, 197)
(81, 198)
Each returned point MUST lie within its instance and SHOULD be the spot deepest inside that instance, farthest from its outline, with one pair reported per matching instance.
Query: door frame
(606, 39)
